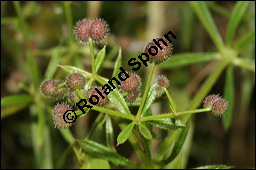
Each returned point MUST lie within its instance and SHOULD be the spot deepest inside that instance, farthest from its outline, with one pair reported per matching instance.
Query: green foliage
(196, 72)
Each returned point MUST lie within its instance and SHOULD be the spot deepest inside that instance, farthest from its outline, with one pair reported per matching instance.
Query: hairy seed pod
(74, 98)
(219, 107)
(162, 81)
(132, 83)
(82, 30)
(99, 30)
(49, 88)
(58, 113)
(92, 93)
(132, 96)
(159, 50)
(75, 80)
(62, 91)
(209, 100)
(159, 90)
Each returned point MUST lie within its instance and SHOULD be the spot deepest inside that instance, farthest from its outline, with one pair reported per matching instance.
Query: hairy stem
(146, 90)
(171, 115)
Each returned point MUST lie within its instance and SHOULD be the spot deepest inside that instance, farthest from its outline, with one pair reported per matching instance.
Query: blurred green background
(37, 36)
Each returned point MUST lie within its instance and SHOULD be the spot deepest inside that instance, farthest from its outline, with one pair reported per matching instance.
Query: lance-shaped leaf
(178, 144)
(214, 167)
(100, 151)
(118, 100)
(124, 135)
(118, 63)
(184, 59)
(229, 91)
(150, 98)
(15, 99)
(167, 123)
(69, 69)
(100, 58)
(144, 131)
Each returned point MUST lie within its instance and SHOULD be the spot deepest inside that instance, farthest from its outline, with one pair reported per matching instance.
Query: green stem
(171, 115)
(62, 84)
(146, 90)
(80, 95)
(114, 113)
(208, 84)
(30, 58)
(68, 14)
(172, 103)
(92, 56)
(243, 64)
(95, 124)
(136, 146)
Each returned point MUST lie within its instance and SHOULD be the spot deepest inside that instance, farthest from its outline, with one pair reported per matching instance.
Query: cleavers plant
(137, 127)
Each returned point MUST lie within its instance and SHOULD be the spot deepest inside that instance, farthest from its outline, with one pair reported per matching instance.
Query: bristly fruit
(102, 102)
(82, 30)
(219, 107)
(49, 88)
(162, 81)
(132, 83)
(99, 30)
(74, 98)
(132, 96)
(160, 54)
(209, 100)
(62, 91)
(75, 80)
(216, 103)
(58, 113)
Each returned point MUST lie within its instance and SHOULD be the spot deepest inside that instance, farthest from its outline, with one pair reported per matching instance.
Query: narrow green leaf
(236, 16)
(9, 110)
(185, 59)
(118, 63)
(109, 133)
(15, 99)
(67, 135)
(214, 167)
(208, 84)
(167, 124)
(246, 63)
(100, 151)
(144, 131)
(69, 69)
(150, 99)
(187, 23)
(245, 41)
(177, 163)
(204, 15)
(55, 58)
(118, 100)
(125, 133)
(95, 163)
(100, 58)
(178, 144)
(229, 96)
